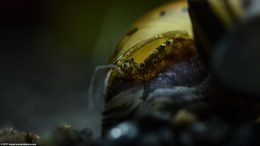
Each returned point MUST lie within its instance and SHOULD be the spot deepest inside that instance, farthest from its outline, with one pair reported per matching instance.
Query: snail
(156, 66)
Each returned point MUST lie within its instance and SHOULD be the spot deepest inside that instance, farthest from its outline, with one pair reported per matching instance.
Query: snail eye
(126, 65)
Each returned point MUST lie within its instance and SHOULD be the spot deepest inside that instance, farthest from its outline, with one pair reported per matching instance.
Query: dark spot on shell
(132, 31)
(162, 13)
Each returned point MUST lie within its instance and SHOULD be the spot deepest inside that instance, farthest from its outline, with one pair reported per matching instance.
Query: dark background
(49, 49)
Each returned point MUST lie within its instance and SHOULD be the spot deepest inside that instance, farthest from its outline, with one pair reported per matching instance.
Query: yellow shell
(160, 37)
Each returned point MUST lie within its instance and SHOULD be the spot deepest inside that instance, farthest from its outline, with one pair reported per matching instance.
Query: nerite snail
(156, 62)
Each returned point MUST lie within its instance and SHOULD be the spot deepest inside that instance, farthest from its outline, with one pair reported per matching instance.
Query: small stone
(184, 117)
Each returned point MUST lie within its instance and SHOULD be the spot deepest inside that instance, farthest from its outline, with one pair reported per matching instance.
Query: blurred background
(49, 49)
